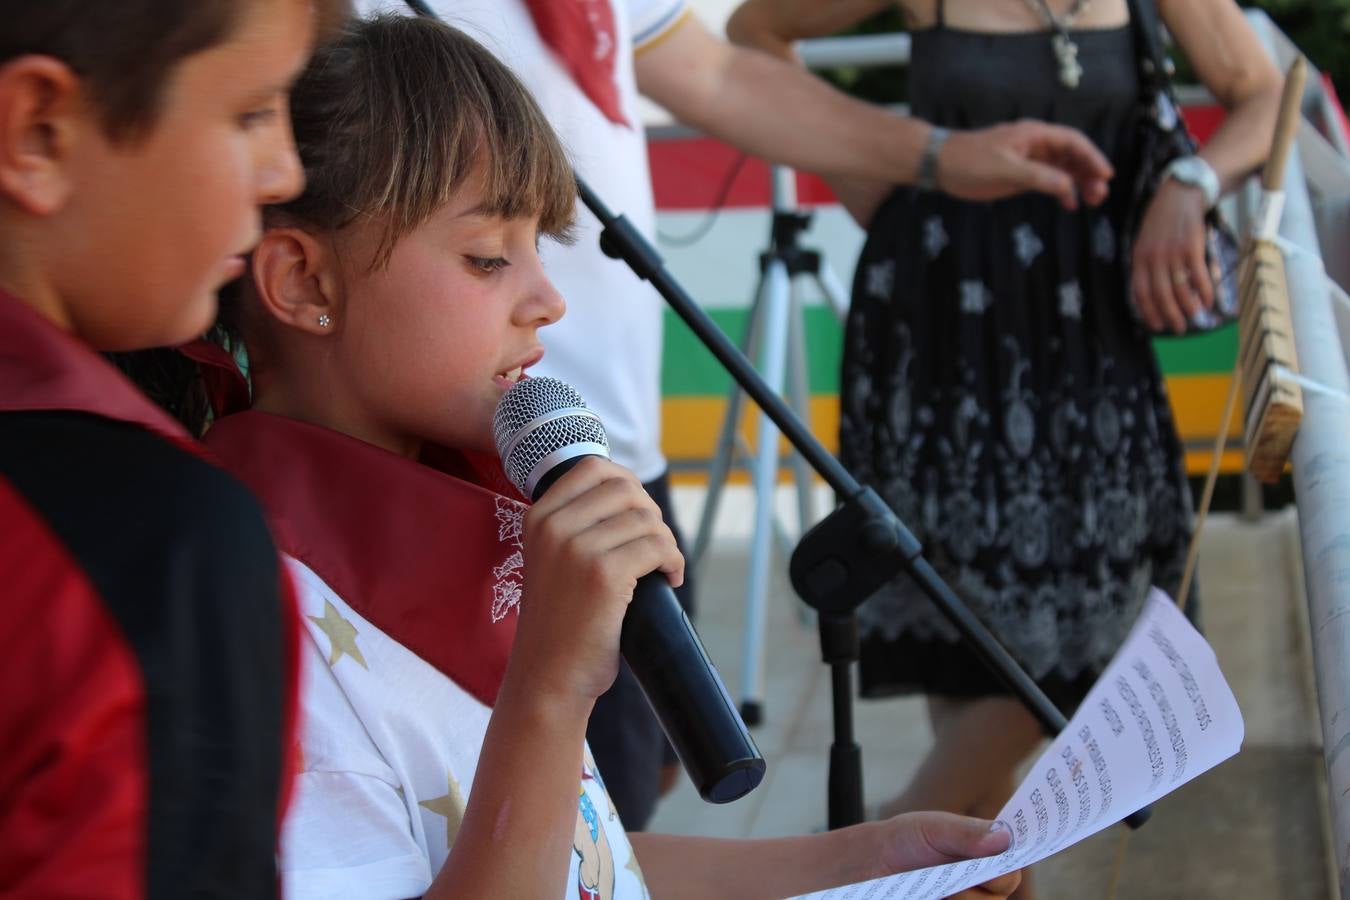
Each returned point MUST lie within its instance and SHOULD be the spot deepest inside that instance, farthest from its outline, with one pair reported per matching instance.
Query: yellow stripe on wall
(691, 426)
(1197, 403)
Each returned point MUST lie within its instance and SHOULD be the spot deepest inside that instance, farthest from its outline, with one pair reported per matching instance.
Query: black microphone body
(661, 647)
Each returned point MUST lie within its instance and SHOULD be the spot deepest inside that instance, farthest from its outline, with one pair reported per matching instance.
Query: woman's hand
(921, 839)
(1169, 277)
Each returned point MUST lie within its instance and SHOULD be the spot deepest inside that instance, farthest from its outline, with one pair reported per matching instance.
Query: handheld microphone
(542, 428)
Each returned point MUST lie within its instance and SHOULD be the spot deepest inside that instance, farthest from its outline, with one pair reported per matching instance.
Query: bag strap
(1147, 30)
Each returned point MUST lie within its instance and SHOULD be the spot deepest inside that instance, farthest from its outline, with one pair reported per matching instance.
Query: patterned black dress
(997, 391)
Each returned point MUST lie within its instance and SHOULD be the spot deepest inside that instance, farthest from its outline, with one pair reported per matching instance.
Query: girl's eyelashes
(488, 264)
(256, 117)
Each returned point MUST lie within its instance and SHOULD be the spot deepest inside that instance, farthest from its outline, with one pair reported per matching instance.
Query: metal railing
(1321, 451)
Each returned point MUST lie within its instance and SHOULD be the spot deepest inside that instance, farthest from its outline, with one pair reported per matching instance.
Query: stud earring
(325, 320)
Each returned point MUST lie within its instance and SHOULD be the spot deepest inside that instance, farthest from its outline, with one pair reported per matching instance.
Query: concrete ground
(1255, 827)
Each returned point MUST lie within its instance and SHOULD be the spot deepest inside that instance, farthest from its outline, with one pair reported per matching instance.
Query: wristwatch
(1195, 172)
(928, 174)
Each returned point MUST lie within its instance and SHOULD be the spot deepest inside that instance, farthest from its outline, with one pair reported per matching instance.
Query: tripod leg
(799, 384)
(775, 300)
(727, 444)
(833, 289)
(799, 389)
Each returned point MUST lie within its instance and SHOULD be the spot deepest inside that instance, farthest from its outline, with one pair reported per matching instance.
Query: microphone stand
(847, 556)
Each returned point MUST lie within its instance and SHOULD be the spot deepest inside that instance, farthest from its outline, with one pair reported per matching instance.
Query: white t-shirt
(608, 345)
(389, 747)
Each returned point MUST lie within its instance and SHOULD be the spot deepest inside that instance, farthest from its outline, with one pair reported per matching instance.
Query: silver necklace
(1066, 51)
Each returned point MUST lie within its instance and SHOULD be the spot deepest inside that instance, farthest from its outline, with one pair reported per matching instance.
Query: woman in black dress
(998, 389)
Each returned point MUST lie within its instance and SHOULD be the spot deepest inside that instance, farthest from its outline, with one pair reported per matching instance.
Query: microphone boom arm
(847, 556)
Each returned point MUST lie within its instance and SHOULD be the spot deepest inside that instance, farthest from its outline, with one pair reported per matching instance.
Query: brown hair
(394, 115)
(391, 119)
(126, 51)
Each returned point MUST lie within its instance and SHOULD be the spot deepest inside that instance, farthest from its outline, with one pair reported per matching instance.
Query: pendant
(1066, 53)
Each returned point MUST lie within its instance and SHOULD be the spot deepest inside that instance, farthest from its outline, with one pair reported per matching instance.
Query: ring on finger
(1181, 276)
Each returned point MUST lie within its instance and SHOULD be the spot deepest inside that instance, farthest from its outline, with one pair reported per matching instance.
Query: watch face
(1186, 170)
(1195, 172)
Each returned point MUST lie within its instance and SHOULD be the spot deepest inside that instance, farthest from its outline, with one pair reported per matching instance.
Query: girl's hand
(1169, 276)
(588, 540)
(921, 839)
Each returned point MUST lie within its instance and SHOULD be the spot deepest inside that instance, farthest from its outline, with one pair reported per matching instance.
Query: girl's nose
(545, 305)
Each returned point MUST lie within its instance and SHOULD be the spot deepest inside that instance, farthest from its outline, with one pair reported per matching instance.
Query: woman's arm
(678, 867)
(773, 25)
(780, 113)
(1170, 277)
(1229, 60)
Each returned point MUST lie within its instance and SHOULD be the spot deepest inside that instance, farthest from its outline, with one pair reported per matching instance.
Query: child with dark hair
(457, 639)
(149, 636)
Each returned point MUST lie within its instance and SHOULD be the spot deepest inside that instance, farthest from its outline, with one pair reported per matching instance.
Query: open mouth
(517, 372)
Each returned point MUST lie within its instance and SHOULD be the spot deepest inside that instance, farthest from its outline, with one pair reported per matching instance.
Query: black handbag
(1160, 136)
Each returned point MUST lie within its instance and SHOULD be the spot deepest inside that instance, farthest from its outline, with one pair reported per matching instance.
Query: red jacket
(150, 635)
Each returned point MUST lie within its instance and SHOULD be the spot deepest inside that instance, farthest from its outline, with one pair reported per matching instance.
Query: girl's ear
(297, 280)
(42, 114)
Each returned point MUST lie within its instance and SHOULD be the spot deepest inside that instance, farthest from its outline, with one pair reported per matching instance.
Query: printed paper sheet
(1160, 715)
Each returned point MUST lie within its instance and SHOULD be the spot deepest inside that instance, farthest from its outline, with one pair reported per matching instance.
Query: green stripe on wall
(1206, 354)
(689, 370)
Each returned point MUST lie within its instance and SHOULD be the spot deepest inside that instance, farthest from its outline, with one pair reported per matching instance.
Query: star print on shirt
(450, 807)
(341, 635)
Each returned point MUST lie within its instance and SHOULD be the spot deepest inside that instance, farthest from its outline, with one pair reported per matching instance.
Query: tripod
(776, 335)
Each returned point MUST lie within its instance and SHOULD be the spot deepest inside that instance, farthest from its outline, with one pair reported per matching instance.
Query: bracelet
(928, 174)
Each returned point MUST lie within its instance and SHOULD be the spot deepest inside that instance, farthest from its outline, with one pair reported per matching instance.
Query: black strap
(941, 14)
(1147, 28)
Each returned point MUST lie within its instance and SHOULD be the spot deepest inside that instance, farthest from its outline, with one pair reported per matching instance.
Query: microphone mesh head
(537, 417)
